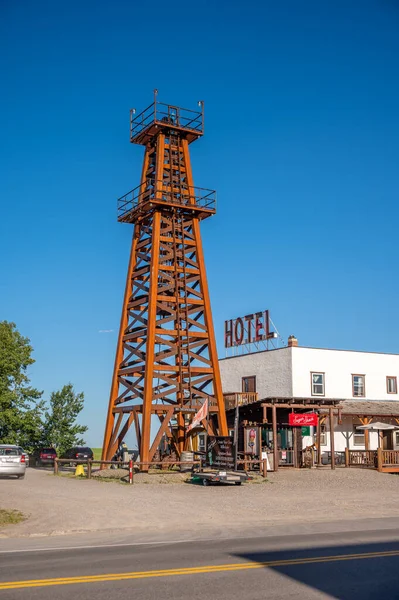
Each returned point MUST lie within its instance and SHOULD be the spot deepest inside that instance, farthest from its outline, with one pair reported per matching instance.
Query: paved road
(348, 565)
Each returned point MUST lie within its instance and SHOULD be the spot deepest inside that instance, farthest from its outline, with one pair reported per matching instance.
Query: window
(202, 442)
(397, 438)
(392, 385)
(317, 384)
(358, 386)
(323, 435)
(358, 436)
(249, 384)
(10, 452)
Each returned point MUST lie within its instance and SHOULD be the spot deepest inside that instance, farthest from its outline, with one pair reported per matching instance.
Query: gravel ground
(140, 478)
(58, 505)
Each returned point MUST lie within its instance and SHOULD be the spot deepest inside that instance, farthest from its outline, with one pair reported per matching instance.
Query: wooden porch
(239, 399)
(384, 461)
(272, 413)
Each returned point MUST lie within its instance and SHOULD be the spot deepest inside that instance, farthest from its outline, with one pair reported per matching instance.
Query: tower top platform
(160, 117)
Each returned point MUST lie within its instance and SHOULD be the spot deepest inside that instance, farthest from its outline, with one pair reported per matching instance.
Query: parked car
(44, 456)
(79, 453)
(12, 461)
(26, 455)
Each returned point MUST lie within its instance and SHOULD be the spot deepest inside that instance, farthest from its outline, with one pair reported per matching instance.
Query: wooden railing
(247, 463)
(361, 458)
(130, 465)
(390, 458)
(386, 461)
(239, 399)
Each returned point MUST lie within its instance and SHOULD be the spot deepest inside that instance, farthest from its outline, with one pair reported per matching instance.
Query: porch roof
(301, 402)
(375, 408)
(291, 402)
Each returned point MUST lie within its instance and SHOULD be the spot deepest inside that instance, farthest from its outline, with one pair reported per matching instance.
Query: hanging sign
(302, 419)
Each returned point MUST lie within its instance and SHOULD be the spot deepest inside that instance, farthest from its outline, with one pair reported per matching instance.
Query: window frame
(322, 373)
(323, 434)
(395, 379)
(353, 385)
(202, 437)
(361, 433)
(252, 377)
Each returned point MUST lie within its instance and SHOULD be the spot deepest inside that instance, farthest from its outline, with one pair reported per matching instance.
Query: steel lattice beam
(166, 359)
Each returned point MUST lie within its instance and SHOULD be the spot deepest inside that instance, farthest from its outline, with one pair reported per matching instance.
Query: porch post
(332, 438)
(318, 440)
(321, 422)
(264, 413)
(275, 449)
(379, 460)
(295, 447)
(366, 421)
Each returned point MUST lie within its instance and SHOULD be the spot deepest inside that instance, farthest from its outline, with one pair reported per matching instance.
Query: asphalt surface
(346, 565)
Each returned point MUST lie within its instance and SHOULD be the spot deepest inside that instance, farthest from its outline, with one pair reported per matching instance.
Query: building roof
(265, 351)
(389, 408)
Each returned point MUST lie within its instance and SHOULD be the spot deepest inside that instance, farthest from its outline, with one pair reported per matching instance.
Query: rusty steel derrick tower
(166, 363)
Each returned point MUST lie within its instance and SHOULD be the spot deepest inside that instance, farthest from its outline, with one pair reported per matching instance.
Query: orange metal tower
(166, 359)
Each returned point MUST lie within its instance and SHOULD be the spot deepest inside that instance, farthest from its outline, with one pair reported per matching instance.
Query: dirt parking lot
(59, 505)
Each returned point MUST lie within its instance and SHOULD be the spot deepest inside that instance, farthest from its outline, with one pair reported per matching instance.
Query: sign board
(248, 330)
(266, 458)
(305, 431)
(302, 419)
(251, 440)
(220, 452)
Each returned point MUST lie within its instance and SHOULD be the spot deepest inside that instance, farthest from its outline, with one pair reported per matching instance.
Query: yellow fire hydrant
(79, 470)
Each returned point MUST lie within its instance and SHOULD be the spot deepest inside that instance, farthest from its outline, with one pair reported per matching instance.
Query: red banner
(302, 420)
(200, 416)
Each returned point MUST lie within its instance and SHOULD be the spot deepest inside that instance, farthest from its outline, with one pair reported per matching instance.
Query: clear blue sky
(302, 145)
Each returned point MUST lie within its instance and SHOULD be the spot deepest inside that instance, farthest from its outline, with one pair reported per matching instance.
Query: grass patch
(10, 517)
(105, 480)
(97, 453)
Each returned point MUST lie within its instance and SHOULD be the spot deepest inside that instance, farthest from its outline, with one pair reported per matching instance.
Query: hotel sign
(248, 330)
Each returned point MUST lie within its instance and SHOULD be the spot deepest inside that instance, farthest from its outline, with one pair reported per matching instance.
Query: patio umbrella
(378, 426)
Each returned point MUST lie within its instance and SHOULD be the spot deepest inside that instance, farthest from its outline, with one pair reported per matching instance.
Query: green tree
(61, 430)
(21, 406)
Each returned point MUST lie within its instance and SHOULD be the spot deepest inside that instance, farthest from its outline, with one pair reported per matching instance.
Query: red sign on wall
(302, 420)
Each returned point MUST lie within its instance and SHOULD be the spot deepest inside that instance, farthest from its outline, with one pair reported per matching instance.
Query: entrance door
(285, 440)
(387, 440)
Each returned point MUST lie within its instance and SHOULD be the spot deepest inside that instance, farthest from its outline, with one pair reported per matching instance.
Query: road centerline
(196, 570)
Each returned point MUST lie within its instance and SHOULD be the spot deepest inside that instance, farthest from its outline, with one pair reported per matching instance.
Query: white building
(362, 386)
